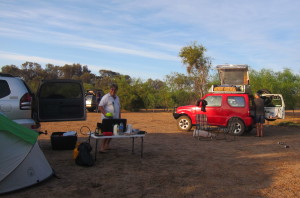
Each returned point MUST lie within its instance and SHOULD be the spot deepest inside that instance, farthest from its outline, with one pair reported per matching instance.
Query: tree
(178, 81)
(197, 65)
(181, 89)
(85, 69)
(108, 73)
(129, 93)
(289, 86)
(31, 70)
(11, 69)
(149, 93)
(165, 97)
(32, 73)
(71, 71)
(285, 83)
(52, 71)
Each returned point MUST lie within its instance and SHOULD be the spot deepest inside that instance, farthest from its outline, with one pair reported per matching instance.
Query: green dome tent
(22, 163)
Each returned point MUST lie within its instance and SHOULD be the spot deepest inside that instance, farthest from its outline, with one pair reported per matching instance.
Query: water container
(116, 128)
(121, 128)
(129, 128)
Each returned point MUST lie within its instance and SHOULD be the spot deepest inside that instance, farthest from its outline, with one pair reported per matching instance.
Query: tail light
(25, 102)
(36, 126)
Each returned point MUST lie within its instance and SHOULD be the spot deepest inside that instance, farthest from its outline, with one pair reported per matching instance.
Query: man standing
(109, 103)
(259, 115)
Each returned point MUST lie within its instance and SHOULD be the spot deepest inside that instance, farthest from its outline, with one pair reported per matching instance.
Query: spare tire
(263, 91)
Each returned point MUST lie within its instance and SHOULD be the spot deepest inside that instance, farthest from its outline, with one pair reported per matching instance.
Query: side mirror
(198, 102)
(202, 104)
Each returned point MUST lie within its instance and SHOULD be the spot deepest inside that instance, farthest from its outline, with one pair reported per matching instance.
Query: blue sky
(142, 38)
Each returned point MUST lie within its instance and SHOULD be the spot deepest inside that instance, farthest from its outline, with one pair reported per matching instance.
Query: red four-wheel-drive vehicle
(231, 102)
(219, 110)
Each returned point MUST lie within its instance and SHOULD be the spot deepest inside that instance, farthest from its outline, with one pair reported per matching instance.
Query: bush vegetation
(175, 90)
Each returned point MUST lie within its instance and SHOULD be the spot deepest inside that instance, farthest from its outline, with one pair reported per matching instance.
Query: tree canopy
(197, 65)
(176, 89)
(285, 83)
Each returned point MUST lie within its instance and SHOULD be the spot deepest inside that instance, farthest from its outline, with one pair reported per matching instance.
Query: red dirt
(175, 164)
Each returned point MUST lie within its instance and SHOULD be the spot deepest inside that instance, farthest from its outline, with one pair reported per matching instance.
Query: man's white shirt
(111, 105)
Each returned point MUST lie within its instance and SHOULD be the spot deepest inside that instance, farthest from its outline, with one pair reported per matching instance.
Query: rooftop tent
(22, 163)
(233, 74)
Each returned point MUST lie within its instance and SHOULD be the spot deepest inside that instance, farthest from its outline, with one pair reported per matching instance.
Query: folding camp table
(132, 136)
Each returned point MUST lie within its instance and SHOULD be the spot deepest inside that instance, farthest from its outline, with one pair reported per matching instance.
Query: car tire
(236, 127)
(184, 123)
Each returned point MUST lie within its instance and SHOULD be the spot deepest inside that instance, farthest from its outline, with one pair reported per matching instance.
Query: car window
(236, 101)
(60, 100)
(213, 101)
(57, 91)
(89, 97)
(4, 89)
(273, 101)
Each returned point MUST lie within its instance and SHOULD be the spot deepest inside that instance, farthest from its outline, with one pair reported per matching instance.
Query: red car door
(214, 111)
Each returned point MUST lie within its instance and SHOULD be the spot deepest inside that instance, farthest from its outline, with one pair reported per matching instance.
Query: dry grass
(175, 164)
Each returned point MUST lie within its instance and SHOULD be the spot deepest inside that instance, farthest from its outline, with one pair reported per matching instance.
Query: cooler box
(61, 142)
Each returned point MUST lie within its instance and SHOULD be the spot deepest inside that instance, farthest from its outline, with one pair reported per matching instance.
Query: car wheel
(184, 123)
(236, 127)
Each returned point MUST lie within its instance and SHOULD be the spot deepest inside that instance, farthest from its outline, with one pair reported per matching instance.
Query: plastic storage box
(61, 142)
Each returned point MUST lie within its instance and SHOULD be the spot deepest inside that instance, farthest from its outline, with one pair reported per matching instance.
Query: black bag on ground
(85, 157)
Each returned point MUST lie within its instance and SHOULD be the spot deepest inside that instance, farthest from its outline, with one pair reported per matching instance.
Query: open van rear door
(274, 106)
(60, 100)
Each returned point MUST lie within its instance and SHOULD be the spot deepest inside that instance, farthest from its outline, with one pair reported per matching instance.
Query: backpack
(84, 157)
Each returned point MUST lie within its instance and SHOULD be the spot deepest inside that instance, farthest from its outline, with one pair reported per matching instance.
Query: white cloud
(256, 32)
(142, 53)
(23, 58)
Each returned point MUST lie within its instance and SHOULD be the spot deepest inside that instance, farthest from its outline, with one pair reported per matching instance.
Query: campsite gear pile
(68, 141)
(22, 163)
(110, 127)
(204, 131)
(84, 156)
(82, 151)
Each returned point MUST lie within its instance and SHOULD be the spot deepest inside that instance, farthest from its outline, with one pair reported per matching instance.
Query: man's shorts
(260, 119)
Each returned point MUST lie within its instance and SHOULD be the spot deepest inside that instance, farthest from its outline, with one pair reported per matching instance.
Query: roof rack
(230, 89)
(232, 66)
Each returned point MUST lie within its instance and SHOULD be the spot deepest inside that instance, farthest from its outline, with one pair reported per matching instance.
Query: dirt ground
(174, 164)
